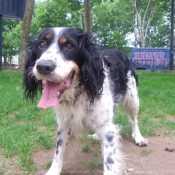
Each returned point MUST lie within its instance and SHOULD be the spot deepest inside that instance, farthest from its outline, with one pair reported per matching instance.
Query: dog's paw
(141, 142)
(139, 139)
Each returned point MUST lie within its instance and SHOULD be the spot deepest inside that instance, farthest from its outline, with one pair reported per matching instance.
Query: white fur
(131, 104)
(75, 113)
(99, 117)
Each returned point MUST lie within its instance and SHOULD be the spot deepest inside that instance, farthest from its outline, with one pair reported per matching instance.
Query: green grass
(145, 152)
(95, 165)
(157, 102)
(2, 169)
(25, 128)
(86, 149)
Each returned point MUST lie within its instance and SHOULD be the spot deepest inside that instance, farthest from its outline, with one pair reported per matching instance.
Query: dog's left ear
(92, 67)
(30, 83)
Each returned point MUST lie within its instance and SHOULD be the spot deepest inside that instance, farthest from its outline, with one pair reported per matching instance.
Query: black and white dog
(84, 87)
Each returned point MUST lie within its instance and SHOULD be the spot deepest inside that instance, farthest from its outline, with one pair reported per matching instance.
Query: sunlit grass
(157, 102)
(25, 128)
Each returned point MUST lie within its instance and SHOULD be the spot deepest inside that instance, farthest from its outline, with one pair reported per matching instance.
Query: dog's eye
(42, 45)
(68, 47)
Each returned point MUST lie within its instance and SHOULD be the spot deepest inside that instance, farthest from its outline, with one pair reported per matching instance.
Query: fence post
(172, 36)
(0, 42)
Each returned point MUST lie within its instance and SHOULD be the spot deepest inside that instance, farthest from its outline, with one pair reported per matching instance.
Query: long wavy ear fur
(92, 67)
(31, 85)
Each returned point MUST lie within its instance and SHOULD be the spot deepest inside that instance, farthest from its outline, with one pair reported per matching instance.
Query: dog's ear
(30, 83)
(92, 67)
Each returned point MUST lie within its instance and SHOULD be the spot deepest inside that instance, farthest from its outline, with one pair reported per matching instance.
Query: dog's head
(59, 55)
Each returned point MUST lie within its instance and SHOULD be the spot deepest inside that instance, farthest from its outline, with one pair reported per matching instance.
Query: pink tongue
(49, 95)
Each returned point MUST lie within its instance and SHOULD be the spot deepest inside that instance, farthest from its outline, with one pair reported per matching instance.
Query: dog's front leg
(113, 159)
(63, 137)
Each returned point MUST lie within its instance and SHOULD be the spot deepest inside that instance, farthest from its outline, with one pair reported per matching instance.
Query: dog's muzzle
(45, 67)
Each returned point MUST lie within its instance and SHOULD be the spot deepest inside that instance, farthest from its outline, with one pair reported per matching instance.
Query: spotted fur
(100, 81)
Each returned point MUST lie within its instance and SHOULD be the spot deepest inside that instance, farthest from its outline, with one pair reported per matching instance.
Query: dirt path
(152, 160)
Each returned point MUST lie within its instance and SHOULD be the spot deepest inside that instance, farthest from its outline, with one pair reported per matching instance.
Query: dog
(84, 87)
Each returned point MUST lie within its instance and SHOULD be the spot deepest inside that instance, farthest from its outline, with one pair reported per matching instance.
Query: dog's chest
(82, 115)
(73, 113)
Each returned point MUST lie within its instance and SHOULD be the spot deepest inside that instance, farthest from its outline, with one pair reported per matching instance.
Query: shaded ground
(153, 160)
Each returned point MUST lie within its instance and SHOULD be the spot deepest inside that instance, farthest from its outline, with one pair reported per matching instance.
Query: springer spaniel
(84, 87)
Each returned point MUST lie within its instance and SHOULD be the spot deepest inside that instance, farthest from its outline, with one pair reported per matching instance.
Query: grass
(26, 128)
(86, 149)
(145, 152)
(95, 165)
(2, 169)
(96, 153)
(157, 102)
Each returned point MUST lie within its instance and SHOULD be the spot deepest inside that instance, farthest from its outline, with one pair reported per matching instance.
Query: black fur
(31, 85)
(80, 69)
(119, 65)
(84, 54)
(87, 57)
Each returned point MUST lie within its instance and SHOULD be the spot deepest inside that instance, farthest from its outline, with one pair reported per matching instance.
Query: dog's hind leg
(131, 105)
(63, 137)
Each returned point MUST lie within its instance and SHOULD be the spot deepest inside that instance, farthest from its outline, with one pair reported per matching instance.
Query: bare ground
(152, 160)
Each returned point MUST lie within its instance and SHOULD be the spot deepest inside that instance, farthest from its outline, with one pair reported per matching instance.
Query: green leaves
(11, 38)
(112, 21)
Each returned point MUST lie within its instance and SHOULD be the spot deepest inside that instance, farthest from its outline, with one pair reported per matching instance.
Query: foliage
(109, 30)
(146, 19)
(54, 13)
(112, 21)
(46, 15)
(159, 31)
(11, 38)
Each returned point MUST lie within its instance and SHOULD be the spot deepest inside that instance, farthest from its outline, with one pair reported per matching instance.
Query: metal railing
(10, 63)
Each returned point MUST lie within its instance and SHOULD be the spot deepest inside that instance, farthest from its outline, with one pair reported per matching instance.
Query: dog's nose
(45, 66)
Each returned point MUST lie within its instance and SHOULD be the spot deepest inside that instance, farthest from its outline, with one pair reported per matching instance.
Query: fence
(10, 63)
(150, 58)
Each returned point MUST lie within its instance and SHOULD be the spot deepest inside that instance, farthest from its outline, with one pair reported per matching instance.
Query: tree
(48, 15)
(159, 30)
(87, 16)
(109, 30)
(111, 22)
(144, 17)
(74, 12)
(10, 40)
(25, 31)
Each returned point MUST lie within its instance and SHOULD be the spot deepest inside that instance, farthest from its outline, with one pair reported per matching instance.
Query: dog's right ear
(30, 83)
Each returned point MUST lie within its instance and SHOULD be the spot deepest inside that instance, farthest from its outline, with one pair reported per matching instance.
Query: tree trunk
(25, 32)
(87, 16)
(143, 20)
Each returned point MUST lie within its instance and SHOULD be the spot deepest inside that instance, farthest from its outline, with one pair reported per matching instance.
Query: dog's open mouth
(52, 92)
